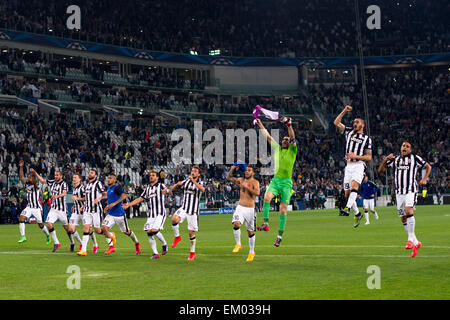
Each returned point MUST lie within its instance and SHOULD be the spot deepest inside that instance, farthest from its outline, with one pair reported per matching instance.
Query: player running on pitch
(281, 183)
(358, 151)
(245, 211)
(58, 210)
(116, 215)
(154, 194)
(34, 206)
(405, 168)
(192, 187)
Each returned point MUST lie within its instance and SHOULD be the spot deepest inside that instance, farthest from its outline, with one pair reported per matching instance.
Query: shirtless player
(245, 211)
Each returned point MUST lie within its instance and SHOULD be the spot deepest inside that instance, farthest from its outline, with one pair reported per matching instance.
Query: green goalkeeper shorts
(282, 188)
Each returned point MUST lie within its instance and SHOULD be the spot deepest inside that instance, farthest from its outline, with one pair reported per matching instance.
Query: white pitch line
(332, 246)
(260, 255)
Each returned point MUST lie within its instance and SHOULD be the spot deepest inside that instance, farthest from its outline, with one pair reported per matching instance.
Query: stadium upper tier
(249, 28)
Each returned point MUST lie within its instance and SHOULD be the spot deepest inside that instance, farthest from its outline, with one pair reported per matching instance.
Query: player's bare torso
(247, 199)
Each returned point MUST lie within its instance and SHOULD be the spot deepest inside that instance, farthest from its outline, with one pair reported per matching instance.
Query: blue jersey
(368, 189)
(114, 193)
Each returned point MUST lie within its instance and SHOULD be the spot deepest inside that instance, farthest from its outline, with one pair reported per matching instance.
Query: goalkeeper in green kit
(281, 183)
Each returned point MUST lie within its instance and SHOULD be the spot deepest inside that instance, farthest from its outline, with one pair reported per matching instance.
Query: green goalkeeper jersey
(284, 160)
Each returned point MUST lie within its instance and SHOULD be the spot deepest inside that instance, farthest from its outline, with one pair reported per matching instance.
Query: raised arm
(230, 178)
(264, 131)
(22, 177)
(42, 180)
(288, 122)
(383, 166)
(337, 122)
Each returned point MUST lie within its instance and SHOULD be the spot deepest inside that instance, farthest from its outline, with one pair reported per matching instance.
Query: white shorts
(405, 200)
(247, 215)
(121, 222)
(369, 204)
(76, 219)
(92, 218)
(54, 215)
(192, 219)
(155, 223)
(28, 212)
(353, 172)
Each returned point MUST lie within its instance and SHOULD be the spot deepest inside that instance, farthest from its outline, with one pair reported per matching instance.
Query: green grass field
(321, 257)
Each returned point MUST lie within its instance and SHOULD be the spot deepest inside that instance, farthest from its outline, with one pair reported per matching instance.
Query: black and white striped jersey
(79, 193)
(405, 172)
(92, 191)
(33, 196)
(56, 188)
(191, 197)
(356, 143)
(155, 199)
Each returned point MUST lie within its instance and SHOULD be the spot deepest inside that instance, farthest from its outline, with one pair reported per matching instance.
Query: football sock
(94, 239)
(351, 198)
(22, 229)
(266, 209)
(161, 238)
(152, 241)
(53, 234)
(176, 230)
(109, 240)
(411, 222)
(77, 236)
(355, 208)
(282, 225)
(45, 230)
(134, 238)
(251, 243)
(84, 241)
(376, 214)
(70, 234)
(237, 235)
(192, 244)
(405, 225)
(366, 215)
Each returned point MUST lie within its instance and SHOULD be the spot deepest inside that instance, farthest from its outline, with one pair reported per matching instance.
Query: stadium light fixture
(193, 52)
(215, 52)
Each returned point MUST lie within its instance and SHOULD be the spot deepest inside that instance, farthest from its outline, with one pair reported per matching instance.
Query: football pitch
(321, 257)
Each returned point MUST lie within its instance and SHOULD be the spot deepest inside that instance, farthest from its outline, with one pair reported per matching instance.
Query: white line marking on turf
(260, 255)
(331, 246)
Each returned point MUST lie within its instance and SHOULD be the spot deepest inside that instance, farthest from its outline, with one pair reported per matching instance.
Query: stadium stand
(240, 28)
(410, 102)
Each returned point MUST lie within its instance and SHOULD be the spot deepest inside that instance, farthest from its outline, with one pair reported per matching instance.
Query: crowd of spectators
(241, 28)
(404, 104)
(409, 104)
